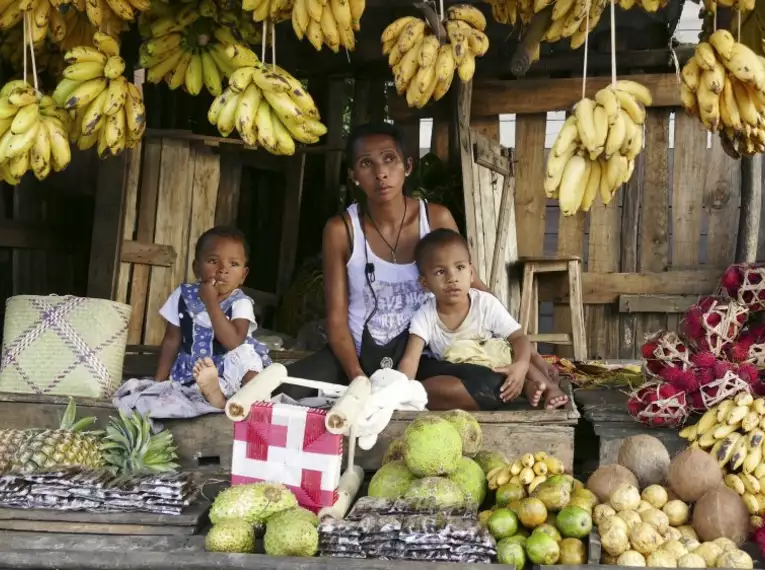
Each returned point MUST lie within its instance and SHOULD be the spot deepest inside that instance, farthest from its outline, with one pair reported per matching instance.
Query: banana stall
(603, 160)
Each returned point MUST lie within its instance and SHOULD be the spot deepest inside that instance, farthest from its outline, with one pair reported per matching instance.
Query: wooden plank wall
(649, 240)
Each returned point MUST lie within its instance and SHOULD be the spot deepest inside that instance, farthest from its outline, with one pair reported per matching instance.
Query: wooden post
(362, 93)
(334, 109)
(751, 204)
(290, 221)
(107, 227)
(227, 206)
(464, 92)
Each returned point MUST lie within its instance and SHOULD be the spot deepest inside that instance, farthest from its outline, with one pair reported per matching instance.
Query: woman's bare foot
(554, 397)
(205, 374)
(533, 391)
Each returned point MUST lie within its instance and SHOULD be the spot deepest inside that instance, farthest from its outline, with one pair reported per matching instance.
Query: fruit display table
(606, 411)
(206, 441)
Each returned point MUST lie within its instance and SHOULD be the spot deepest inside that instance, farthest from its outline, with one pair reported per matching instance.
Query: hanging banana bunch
(267, 106)
(325, 22)
(723, 85)
(571, 19)
(424, 65)
(647, 5)
(109, 109)
(739, 5)
(272, 10)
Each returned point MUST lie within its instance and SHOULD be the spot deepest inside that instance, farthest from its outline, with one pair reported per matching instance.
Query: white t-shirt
(241, 309)
(487, 318)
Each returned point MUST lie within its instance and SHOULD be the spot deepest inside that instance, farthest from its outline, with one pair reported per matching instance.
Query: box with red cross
(289, 445)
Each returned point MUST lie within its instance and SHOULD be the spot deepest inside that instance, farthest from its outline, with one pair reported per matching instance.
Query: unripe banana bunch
(423, 67)
(723, 85)
(595, 151)
(109, 110)
(529, 471)
(33, 131)
(192, 53)
(328, 22)
(269, 108)
(647, 5)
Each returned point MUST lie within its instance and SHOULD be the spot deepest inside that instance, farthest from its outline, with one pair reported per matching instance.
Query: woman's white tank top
(399, 293)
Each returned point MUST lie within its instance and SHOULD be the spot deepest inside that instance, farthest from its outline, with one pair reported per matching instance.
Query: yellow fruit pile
(724, 86)
(529, 471)
(109, 109)
(186, 52)
(733, 432)
(424, 66)
(269, 108)
(596, 148)
(330, 22)
(33, 131)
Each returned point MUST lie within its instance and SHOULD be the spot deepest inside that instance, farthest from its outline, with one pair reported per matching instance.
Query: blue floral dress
(198, 341)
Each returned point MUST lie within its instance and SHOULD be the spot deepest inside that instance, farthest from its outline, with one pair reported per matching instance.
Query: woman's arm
(335, 253)
(441, 217)
(168, 351)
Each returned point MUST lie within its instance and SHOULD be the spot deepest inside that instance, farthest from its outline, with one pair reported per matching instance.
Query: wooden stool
(572, 266)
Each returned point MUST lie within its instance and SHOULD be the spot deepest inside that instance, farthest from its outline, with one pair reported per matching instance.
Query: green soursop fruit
(252, 503)
(441, 491)
(432, 446)
(395, 451)
(298, 513)
(231, 536)
(391, 481)
(489, 460)
(471, 480)
(290, 536)
(468, 428)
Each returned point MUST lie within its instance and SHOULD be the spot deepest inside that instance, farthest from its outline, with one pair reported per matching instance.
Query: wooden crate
(606, 411)
(663, 240)
(206, 441)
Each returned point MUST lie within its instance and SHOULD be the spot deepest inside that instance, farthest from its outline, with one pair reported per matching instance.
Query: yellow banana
(241, 79)
(245, 114)
(84, 71)
(194, 76)
(285, 145)
(115, 133)
(210, 74)
(265, 126)
(633, 108)
(61, 154)
(85, 93)
(156, 73)
(177, 76)
(116, 95)
(115, 67)
(93, 119)
(469, 14)
(25, 118)
(22, 96)
(135, 111)
(39, 154)
(84, 54)
(282, 106)
(20, 144)
(106, 44)
(227, 115)
(584, 112)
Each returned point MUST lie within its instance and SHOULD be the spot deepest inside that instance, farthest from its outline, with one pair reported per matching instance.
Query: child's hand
(207, 292)
(515, 376)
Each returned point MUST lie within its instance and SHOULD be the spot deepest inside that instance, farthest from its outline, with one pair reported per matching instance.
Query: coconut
(606, 479)
(646, 457)
(693, 473)
(721, 513)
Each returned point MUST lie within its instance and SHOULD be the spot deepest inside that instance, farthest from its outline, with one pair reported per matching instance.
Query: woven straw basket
(63, 346)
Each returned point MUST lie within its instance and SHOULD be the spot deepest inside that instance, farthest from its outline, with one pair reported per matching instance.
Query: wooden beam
(145, 253)
(526, 96)
(606, 288)
(107, 227)
(17, 234)
(293, 197)
(751, 204)
(464, 92)
(656, 303)
(227, 207)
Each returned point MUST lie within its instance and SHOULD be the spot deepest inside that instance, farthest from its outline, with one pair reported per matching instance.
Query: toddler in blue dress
(208, 339)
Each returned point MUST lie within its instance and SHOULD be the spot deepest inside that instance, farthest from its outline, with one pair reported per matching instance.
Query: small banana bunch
(424, 66)
(109, 110)
(33, 131)
(569, 17)
(733, 432)
(595, 151)
(70, 29)
(269, 108)
(273, 10)
(739, 5)
(647, 5)
(327, 22)
(723, 85)
(529, 471)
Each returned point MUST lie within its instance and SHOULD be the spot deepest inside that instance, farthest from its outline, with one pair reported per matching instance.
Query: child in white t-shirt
(208, 338)
(459, 320)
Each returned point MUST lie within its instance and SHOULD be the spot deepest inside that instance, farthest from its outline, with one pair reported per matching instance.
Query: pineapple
(129, 446)
(33, 450)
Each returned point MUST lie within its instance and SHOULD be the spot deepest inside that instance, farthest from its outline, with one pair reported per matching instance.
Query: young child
(457, 315)
(208, 339)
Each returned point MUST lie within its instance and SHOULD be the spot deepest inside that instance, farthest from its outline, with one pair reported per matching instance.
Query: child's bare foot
(533, 392)
(554, 397)
(205, 374)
